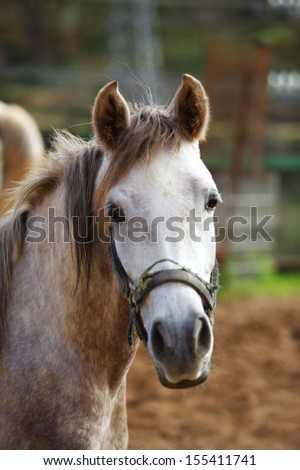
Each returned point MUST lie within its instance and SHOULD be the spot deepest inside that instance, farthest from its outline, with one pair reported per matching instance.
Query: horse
(21, 148)
(110, 244)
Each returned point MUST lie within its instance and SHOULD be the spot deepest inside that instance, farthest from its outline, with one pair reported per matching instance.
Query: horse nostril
(157, 341)
(202, 337)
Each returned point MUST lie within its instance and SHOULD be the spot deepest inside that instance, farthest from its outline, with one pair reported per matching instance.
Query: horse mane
(72, 162)
(75, 163)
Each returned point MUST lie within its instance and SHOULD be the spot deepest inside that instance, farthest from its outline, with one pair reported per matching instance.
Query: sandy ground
(252, 397)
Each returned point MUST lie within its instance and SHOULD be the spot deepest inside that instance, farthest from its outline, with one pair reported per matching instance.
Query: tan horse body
(21, 146)
(64, 319)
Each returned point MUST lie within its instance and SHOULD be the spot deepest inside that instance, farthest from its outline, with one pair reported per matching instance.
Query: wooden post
(242, 116)
(262, 67)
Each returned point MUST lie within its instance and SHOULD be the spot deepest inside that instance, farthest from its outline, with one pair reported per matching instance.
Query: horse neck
(101, 321)
(81, 330)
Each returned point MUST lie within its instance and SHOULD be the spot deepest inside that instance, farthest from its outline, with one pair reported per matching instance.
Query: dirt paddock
(252, 397)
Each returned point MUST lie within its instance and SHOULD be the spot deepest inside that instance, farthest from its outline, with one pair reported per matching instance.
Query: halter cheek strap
(135, 294)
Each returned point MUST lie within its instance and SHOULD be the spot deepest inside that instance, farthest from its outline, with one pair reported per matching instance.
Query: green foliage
(273, 284)
(279, 35)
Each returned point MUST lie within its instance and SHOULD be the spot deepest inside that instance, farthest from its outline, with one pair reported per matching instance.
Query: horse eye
(212, 202)
(116, 214)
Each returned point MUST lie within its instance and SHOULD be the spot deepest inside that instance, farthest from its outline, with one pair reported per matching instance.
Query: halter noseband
(135, 294)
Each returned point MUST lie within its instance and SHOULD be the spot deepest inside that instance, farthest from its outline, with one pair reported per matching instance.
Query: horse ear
(190, 108)
(111, 116)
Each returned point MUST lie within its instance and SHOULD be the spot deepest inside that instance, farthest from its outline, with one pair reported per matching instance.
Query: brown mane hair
(71, 162)
(74, 163)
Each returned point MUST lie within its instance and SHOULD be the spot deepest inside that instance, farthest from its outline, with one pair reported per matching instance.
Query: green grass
(273, 284)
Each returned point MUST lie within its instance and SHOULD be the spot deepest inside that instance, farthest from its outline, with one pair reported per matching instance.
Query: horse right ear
(111, 116)
(190, 108)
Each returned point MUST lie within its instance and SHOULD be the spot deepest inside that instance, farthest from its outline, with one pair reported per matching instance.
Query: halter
(135, 294)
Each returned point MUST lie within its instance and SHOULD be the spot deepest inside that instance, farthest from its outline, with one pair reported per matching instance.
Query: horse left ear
(190, 108)
(111, 116)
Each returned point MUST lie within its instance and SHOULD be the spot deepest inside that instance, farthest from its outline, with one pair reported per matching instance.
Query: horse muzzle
(182, 351)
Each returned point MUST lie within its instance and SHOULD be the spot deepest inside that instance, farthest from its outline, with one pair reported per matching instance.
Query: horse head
(160, 199)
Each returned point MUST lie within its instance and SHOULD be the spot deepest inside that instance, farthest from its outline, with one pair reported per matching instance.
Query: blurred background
(54, 57)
